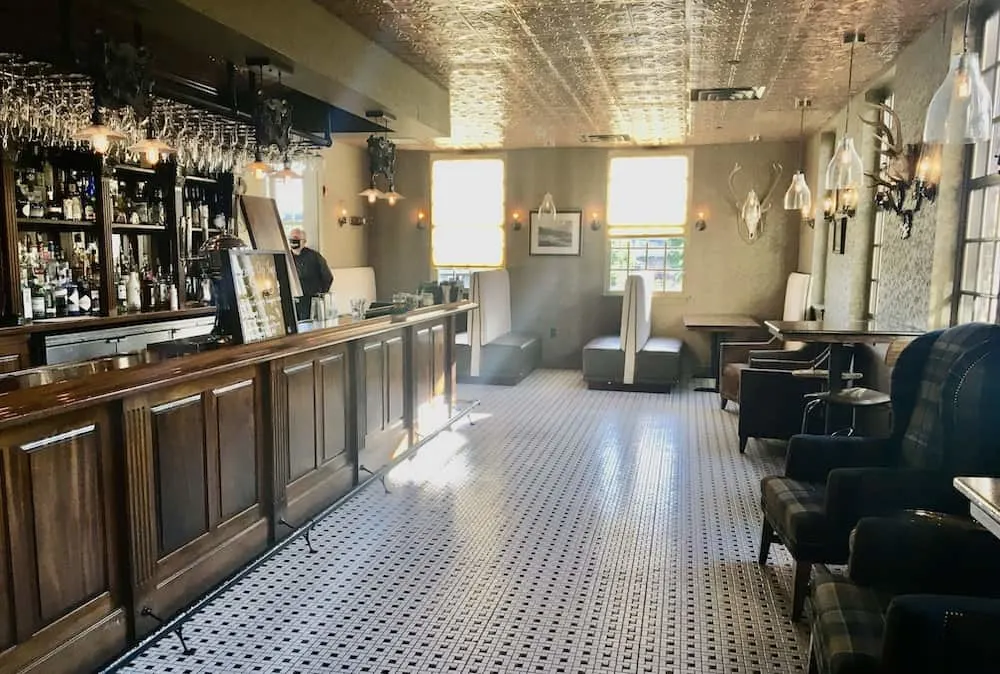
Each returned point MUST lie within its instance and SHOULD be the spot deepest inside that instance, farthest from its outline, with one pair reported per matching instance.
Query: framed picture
(559, 238)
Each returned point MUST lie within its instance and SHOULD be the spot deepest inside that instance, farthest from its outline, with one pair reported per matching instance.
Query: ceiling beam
(321, 56)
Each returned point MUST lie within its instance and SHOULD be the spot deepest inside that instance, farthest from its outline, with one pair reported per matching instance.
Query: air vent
(728, 94)
(605, 138)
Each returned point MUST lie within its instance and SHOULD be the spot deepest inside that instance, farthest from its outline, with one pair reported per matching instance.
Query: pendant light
(961, 110)
(259, 169)
(799, 197)
(151, 148)
(286, 172)
(372, 193)
(97, 134)
(845, 172)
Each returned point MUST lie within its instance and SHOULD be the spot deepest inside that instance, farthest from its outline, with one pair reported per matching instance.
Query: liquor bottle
(163, 288)
(85, 302)
(95, 295)
(37, 300)
(140, 204)
(72, 291)
(72, 207)
(50, 302)
(156, 209)
(89, 192)
(134, 290)
(53, 192)
(119, 200)
(60, 296)
(26, 306)
(121, 291)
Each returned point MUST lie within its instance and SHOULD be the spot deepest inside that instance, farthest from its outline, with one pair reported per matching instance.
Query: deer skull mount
(751, 211)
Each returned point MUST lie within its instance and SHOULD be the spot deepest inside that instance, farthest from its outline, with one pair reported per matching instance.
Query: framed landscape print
(559, 238)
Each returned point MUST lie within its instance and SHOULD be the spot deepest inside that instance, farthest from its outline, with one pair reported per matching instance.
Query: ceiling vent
(605, 138)
(728, 94)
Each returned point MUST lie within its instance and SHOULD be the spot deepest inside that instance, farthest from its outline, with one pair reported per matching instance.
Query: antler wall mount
(751, 211)
(909, 172)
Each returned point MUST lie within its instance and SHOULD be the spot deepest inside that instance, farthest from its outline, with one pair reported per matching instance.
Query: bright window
(295, 198)
(647, 215)
(979, 279)
(467, 213)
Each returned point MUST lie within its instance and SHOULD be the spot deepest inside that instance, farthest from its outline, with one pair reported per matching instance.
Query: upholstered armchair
(944, 390)
(734, 357)
(920, 596)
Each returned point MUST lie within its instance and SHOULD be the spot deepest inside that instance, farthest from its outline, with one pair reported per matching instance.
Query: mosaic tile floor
(565, 531)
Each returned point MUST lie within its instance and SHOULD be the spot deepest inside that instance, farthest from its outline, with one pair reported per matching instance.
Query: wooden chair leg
(766, 538)
(800, 588)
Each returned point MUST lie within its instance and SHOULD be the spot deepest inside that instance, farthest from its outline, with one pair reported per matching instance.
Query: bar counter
(129, 492)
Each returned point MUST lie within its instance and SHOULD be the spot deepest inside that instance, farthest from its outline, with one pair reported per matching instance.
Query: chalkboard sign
(263, 223)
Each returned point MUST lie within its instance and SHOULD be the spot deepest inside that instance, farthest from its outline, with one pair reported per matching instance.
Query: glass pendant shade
(798, 197)
(99, 136)
(392, 196)
(151, 149)
(372, 194)
(286, 172)
(845, 170)
(547, 210)
(961, 110)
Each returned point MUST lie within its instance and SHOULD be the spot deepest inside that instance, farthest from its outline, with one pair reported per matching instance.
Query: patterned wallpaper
(909, 267)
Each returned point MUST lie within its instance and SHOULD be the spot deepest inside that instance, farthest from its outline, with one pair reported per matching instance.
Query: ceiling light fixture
(381, 161)
(799, 197)
(845, 171)
(286, 172)
(151, 148)
(961, 110)
(97, 134)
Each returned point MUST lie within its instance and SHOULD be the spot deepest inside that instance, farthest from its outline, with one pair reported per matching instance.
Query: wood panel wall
(194, 458)
(59, 561)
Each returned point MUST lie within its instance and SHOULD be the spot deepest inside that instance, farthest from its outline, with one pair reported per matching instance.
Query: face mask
(295, 243)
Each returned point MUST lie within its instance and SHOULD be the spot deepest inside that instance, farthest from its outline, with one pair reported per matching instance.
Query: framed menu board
(257, 298)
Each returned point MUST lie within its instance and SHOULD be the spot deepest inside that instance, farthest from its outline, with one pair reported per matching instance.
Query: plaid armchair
(945, 386)
(920, 596)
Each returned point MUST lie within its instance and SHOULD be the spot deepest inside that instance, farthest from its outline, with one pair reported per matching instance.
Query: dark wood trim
(10, 270)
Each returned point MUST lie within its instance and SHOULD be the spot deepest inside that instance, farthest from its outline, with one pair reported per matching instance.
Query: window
(878, 235)
(467, 213)
(647, 212)
(295, 200)
(979, 276)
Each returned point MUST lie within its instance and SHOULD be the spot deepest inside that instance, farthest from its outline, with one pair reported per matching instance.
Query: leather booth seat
(490, 352)
(633, 359)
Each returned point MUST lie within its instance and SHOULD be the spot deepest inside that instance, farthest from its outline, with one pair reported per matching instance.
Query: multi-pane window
(293, 197)
(979, 277)
(878, 236)
(467, 213)
(647, 214)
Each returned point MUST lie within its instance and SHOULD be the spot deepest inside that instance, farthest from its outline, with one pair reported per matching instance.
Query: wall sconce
(701, 224)
(595, 224)
(353, 220)
(921, 181)
(839, 206)
(421, 221)
(516, 221)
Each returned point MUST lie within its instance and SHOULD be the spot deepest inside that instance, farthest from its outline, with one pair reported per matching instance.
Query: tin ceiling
(528, 73)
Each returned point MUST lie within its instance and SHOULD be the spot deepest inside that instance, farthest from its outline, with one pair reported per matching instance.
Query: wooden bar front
(129, 494)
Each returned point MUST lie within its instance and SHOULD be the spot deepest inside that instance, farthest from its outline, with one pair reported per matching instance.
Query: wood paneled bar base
(126, 495)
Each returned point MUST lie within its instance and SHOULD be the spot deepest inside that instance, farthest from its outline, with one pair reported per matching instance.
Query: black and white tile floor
(566, 531)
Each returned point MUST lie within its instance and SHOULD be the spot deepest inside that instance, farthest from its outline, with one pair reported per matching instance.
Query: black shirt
(315, 277)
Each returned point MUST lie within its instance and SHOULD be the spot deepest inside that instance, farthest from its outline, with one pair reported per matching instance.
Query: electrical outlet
(552, 333)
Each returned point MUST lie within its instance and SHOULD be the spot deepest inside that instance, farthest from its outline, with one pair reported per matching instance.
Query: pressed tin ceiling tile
(529, 73)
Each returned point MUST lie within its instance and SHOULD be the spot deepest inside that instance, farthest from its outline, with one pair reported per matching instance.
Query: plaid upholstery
(953, 354)
(798, 513)
(847, 625)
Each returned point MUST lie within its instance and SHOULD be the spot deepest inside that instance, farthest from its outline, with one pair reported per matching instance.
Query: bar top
(840, 332)
(36, 396)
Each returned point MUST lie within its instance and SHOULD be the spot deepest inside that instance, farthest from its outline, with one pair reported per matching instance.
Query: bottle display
(58, 275)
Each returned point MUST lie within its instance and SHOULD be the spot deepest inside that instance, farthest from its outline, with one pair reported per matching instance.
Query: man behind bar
(314, 273)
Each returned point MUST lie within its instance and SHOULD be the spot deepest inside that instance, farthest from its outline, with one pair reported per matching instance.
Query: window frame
(685, 229)
(446, 156)
(880, 222)
(972, 184)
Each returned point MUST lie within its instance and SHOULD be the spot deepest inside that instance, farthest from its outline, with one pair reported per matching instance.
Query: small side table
(718, 325)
